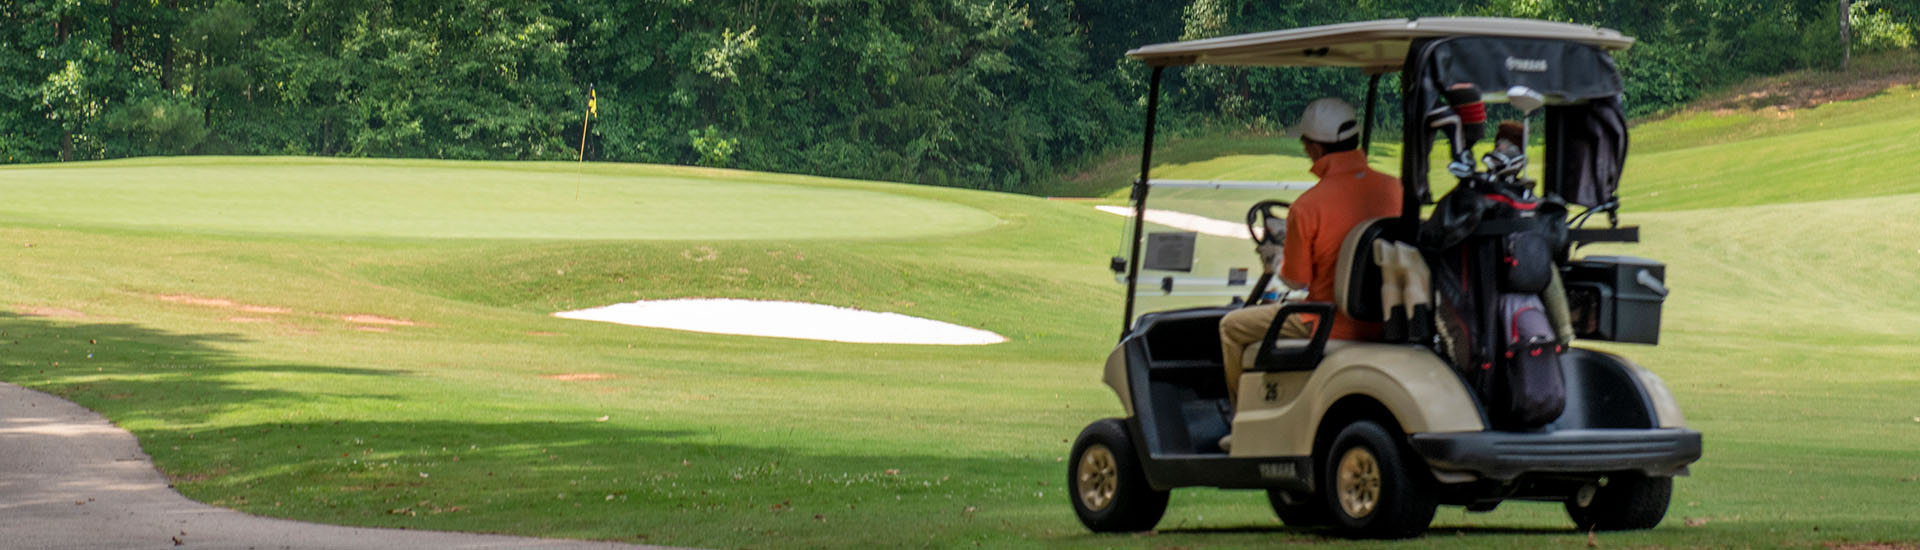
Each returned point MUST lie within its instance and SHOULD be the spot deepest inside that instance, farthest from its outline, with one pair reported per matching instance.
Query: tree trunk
(118, 38)
(166, 49)
(1846, 33)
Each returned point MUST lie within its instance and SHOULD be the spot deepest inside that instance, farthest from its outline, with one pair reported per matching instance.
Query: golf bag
(1494, 254)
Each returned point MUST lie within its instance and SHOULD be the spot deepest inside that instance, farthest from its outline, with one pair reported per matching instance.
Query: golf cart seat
(1355, 271)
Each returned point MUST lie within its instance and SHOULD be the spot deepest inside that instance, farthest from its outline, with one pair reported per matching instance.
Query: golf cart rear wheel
(1628, 502)
(1297, 510)
(1371, 490)
(1109, 490)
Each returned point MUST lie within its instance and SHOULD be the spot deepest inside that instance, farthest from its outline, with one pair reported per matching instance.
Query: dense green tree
(992, 94)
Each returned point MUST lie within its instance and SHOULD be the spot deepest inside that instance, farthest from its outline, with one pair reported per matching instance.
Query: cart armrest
(1296, 358)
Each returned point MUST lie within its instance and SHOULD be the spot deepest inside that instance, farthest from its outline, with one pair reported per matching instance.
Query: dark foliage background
(992, 94)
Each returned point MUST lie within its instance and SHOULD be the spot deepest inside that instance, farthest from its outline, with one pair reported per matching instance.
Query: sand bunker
(786, 320)
(1183, 220)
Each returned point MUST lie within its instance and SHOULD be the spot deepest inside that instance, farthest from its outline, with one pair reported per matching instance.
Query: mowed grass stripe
(428, 199)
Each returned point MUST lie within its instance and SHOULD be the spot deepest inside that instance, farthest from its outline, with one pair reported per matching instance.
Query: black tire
(1300, 511)
(1114, 496)
(1383, 496)
(1628, 502)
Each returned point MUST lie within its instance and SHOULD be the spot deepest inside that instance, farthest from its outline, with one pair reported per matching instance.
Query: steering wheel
(1264, 225)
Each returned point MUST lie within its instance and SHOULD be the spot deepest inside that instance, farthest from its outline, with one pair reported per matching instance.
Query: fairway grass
(388, 374)
(424, 199)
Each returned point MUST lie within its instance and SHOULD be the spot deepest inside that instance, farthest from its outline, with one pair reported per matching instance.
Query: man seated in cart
(1348, 192)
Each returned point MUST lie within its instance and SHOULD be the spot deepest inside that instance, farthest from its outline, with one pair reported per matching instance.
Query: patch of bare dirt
(1779, 96)
(578, 376)
(378, 320)
(55, 312)
(223, 303)
(1780, 100)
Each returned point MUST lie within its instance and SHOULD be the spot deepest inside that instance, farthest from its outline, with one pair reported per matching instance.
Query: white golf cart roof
(1378, 46)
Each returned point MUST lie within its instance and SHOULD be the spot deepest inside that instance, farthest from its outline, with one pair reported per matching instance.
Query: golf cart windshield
(1197, 244)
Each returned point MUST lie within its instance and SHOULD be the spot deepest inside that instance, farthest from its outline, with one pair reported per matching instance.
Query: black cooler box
(1616, 298)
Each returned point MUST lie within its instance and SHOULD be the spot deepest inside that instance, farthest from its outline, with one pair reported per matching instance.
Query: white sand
(786, 320)
(1183, 220)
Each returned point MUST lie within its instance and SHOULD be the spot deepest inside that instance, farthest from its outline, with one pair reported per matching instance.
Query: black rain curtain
(1587, 137)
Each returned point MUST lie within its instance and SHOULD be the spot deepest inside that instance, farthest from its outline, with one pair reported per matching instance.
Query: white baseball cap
(1327, 120)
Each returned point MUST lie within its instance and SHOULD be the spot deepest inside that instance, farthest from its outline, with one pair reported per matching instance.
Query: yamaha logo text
(1526, 65)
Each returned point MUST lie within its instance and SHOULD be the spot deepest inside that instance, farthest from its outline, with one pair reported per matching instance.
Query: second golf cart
(1476, 397)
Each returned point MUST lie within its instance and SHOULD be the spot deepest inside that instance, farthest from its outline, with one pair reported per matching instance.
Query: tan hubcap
(1099, 478)
(1359, 483)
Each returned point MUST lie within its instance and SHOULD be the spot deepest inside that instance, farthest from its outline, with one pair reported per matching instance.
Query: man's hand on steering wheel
(1267, 225)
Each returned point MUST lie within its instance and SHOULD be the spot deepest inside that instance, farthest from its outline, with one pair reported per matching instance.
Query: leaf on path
(602, 419)
(1695, 522)
(893, 471)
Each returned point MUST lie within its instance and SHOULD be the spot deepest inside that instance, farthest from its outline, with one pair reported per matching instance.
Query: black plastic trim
(1507, 455)
(1292, 473)
(1270, 359)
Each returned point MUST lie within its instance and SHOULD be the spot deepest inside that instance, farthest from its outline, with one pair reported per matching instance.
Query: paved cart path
(70, 479)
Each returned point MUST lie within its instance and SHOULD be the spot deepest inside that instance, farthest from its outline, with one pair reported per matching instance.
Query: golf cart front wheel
(1109, 490)
(1371, 489)
(1628, 502)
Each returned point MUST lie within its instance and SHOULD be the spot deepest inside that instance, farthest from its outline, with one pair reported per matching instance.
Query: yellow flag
(593, 103)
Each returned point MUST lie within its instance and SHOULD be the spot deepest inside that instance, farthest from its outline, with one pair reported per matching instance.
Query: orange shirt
(1348, 193)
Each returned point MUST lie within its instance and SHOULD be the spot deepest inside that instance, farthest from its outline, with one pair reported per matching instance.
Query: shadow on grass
(126, 369)
(1329, 533)
(219, 438)
(609, 480)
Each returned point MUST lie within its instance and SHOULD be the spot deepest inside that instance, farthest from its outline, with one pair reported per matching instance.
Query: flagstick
(584, 117)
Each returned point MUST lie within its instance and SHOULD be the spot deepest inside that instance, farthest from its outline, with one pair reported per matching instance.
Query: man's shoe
(1226, 443)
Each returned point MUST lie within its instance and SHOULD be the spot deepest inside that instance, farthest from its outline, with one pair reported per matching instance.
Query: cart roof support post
(1366, 128)
(1140, 199)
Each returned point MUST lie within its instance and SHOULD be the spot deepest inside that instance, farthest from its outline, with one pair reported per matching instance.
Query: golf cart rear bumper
(1507, 455)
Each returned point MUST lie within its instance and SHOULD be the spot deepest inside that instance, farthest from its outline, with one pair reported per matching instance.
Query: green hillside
(370, 343)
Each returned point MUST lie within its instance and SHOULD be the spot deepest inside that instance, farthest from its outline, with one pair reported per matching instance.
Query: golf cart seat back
(1354, 273)
(1357, 277)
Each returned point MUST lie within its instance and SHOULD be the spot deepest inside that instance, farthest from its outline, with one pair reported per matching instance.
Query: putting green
(442, 199)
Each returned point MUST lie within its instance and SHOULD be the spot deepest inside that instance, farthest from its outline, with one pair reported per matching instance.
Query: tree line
(990, 94)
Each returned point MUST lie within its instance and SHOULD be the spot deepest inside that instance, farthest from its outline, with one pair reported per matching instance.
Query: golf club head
(1527, 100)
(1505, 163)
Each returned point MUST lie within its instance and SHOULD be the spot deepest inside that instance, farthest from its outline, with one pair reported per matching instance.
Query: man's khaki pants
(1247, 326)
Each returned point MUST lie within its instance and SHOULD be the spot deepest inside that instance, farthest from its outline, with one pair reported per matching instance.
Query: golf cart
(1475, 396)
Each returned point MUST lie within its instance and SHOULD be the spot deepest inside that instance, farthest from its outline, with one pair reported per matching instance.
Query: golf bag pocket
(1527, 264)
(1529, 374)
